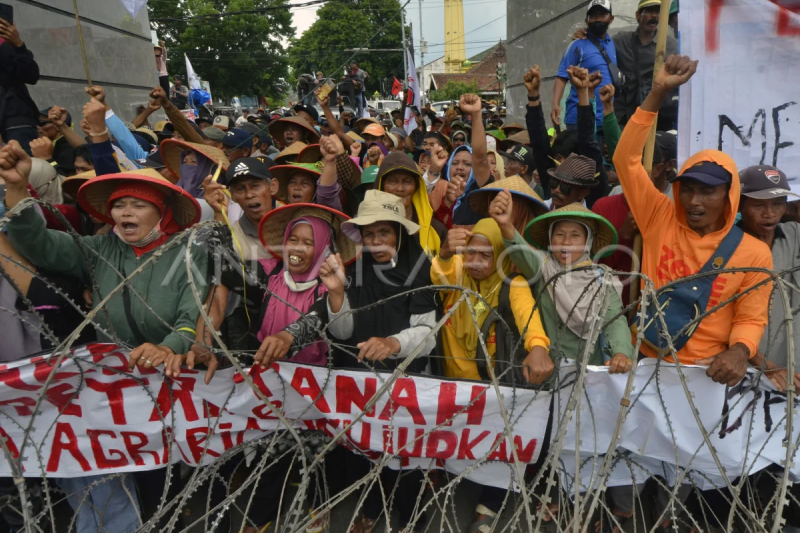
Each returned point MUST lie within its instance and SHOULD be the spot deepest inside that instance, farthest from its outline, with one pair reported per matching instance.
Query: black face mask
(598, 29)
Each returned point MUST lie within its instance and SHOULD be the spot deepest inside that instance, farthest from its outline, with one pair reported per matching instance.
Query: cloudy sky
(484, 24)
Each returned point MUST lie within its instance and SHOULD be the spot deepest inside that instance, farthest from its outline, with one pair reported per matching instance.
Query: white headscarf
(45, 181)
(575, 304)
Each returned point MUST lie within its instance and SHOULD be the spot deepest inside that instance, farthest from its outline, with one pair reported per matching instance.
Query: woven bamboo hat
(364, 122)
(94, 194)
(71, 184)
(512, 140)
(479, 200)
(283, 173)
(512, 129)
(290, 153)
(171, 150)
(537, 232)
(273, 226)
(148, 134)
(355, 136)
(277, 128)
(310, 154)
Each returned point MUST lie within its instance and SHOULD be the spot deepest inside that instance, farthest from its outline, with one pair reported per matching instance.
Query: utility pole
(422, 46)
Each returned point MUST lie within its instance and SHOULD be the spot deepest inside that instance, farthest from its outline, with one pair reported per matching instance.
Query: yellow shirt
(458, 362)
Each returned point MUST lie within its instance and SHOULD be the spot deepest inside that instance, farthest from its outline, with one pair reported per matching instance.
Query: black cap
(153, 160)
(708, 173)
(668, 141)
(247, 167)
(237, 138)
(523, 154)
(308, 109)
(763, 182)
(204, 118)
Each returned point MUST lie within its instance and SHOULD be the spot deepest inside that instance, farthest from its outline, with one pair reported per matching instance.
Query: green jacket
(565, 343)
(163, 284)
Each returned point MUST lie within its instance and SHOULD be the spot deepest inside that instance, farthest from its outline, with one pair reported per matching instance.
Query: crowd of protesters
(334, 214)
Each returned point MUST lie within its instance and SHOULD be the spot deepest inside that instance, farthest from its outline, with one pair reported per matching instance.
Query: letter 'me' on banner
(744, 98)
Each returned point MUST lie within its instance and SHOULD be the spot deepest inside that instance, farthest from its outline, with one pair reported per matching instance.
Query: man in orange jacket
(680, 237)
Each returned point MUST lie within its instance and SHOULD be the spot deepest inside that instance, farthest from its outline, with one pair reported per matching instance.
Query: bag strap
(602, 50)
(724, 251)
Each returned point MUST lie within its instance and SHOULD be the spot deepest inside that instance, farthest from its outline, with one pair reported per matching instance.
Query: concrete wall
(539, 32)
(118, 50)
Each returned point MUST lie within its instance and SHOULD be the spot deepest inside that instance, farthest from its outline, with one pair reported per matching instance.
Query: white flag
(413, 95)
(194, 83)
(134, 6)
(743, 98)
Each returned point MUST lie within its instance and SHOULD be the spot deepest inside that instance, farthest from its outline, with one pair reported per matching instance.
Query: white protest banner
(412, 95)
(743, 99)
(109, 421)
(661, 429)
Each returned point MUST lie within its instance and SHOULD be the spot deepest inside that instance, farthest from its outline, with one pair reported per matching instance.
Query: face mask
(598, 29)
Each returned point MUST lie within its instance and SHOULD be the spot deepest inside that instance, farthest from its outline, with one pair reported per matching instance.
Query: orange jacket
(673, 251)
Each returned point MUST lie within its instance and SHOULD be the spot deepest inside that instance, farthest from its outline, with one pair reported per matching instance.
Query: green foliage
(347, 24)
(237, 54)
(453, 91)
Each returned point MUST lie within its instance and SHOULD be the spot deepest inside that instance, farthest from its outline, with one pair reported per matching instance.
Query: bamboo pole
(661, 51)
(83, 46)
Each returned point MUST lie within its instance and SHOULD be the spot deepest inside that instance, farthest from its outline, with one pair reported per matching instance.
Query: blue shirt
(584, 53)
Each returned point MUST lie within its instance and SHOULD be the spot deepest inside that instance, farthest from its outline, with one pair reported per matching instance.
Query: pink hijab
(279, 315)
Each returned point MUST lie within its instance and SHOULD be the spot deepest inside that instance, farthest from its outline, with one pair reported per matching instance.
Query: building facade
(539, 32)
(119, 53)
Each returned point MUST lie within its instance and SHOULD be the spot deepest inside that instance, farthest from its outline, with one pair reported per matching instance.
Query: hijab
(463, 134)
(165, 227)
(574, 299)
(192, 176)
(45, 181)
(489, 289)
(500, 164)
(379, 281)
(288, 292)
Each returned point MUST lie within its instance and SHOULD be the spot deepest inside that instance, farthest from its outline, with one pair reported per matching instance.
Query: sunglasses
(43, 123)
(565, 188)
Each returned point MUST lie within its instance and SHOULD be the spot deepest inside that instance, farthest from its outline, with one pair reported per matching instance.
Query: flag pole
(661, 51)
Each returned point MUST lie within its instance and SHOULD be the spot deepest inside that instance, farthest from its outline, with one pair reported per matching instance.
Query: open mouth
(295, 198)
(255, 206)
(295, 260)
(694, 216)
(129, 228)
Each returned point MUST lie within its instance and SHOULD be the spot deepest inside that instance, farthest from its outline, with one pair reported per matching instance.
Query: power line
(244, 12)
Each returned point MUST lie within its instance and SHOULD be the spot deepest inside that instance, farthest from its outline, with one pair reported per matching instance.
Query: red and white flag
(412, 95)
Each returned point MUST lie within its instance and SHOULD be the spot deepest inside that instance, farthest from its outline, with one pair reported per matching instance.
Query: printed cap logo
(773, 175)
(240, 169)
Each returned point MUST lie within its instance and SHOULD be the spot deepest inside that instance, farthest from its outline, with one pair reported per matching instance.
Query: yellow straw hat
(290, 153)
(171, 150)
(71, 184)
(272, 228)
(479, 200)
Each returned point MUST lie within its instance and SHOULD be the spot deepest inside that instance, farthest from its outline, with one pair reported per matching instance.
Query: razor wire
(578, 481)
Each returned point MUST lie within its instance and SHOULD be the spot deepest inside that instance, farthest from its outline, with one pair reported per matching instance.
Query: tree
(453, 91)
(347, 24)
(240, 54)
